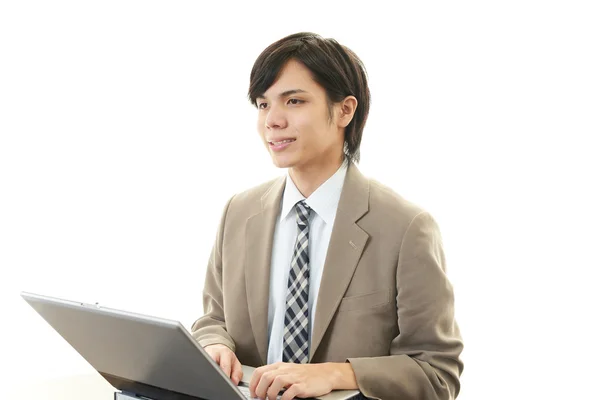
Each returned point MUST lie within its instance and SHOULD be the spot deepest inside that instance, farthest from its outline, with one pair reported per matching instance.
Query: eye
(262, 106)
(295, 101)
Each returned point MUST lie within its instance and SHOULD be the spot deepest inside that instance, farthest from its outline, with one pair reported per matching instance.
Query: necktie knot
(302, 213)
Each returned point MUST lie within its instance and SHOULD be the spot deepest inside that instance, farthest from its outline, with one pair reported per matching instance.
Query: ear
(347, 107)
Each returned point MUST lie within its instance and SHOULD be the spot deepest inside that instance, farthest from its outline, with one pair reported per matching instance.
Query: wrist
(342, 376)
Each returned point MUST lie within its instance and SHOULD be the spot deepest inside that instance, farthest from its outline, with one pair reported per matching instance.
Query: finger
(265, 382)
(226, 364)
(237, 373)
(292, 391)
(278, 384)
(257, 375)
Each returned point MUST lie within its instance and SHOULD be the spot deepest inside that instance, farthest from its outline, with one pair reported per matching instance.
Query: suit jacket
(385, 303)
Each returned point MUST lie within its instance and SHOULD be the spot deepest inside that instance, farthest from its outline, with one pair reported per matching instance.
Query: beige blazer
(385, 303)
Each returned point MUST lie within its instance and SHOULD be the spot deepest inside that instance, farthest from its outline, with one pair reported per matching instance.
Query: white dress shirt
(324, 203)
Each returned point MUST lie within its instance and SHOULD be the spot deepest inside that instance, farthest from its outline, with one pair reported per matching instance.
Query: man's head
(314, 92)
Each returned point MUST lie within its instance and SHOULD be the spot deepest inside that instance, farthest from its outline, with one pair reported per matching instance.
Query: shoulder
(250, 201)
(396, 220)
(385, 200)
(392, 215)
(257, 193)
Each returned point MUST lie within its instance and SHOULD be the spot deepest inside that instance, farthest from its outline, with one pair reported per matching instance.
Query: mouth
(280, 145)
(280, 142)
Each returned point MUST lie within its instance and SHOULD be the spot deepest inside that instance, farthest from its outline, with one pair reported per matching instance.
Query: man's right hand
(227, 360)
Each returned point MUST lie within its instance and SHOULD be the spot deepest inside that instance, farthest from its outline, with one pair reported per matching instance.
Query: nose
(275, 118)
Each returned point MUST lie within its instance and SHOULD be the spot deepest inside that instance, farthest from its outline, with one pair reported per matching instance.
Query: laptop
(144, 356)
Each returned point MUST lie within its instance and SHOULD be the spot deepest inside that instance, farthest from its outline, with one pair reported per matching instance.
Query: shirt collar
(323, 201)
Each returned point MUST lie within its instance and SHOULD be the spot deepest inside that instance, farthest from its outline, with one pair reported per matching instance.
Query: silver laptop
(147, 356)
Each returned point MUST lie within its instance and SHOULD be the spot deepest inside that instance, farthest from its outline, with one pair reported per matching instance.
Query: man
(326, 279)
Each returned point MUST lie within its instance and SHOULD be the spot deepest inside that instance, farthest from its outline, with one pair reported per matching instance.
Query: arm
(424, 359)
(211, 328)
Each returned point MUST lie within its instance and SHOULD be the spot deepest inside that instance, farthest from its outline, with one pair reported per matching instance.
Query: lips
(280, 144)
(281, 141)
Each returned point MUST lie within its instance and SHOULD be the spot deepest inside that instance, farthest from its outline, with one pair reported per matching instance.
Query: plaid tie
(295, 330)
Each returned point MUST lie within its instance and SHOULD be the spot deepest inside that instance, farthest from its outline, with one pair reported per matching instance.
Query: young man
(326, 279)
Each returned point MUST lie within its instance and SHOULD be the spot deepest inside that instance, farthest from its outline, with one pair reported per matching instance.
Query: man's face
(294, 121)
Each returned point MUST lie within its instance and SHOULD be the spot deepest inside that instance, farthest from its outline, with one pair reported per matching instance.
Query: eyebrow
(284, 94)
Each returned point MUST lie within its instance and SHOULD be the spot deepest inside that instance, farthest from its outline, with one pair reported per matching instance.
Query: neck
(308, 178)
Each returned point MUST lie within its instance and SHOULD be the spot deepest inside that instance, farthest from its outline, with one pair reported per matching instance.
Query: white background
(124, 128)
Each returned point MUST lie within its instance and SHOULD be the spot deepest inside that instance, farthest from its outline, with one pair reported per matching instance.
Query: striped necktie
(295, 331)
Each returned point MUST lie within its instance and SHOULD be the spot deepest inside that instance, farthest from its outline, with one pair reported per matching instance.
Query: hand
(227, 360)
(300, 380)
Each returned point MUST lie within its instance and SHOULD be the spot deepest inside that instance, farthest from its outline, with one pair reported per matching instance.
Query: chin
(280, 164)
(283, 162)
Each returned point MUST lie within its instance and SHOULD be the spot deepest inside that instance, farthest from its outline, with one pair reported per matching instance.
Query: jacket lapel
(345, 249)
(259, 245)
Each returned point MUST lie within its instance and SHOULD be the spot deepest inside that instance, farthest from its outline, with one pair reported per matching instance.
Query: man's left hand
(298, 380)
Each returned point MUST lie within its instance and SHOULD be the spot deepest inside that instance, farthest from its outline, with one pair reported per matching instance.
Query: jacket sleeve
(424, 361)
(211, 327)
